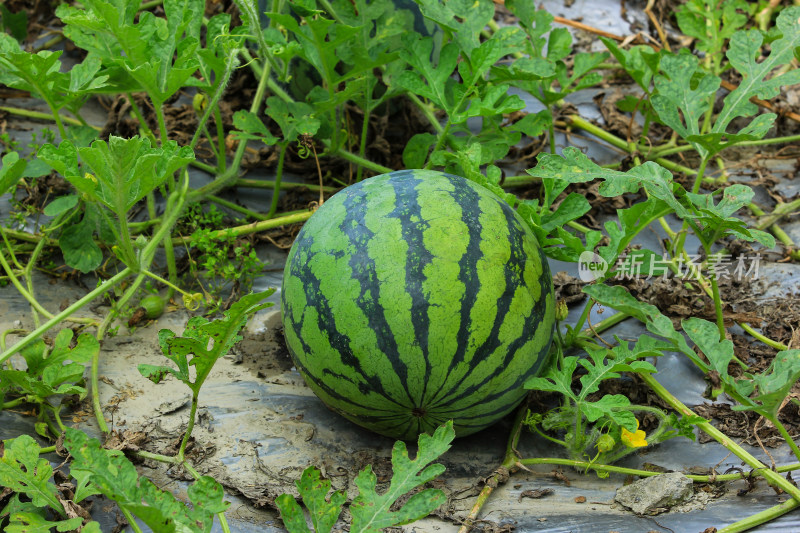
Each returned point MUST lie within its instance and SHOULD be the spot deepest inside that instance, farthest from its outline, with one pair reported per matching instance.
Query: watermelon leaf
(771, 386)
(41, 74)
(15, 23)
(743, 53)
(557, 379)
(686, 92)
(371, 512)
(619, 298)
(193, 348)
(33, 522)
(558, 172)
(571, 208)
(717, 219)
(313, 490)
(149, 53)
(678, 105)
(24, 472)
(292, 514)
(598, 368)
(125, 170)
(463, 19)
(116, 477)
(712, 23)
(640, 61)
(11, 171)
(614, 407)
(54, 371)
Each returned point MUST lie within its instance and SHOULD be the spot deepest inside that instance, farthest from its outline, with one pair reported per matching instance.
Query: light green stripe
(446, 240)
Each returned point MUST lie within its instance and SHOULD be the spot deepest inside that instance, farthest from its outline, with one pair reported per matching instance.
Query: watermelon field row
(403, 186)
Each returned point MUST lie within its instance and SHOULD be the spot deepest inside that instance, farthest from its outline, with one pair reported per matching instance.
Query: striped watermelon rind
(417, 297)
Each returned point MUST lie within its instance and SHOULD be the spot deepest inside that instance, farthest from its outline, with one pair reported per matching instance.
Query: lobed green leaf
(24, 472)
(371, 511)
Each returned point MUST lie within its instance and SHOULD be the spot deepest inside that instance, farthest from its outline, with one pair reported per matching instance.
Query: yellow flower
(633, 440)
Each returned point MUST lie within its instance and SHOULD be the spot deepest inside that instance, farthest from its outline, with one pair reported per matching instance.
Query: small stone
(580, 499)
(655, 494)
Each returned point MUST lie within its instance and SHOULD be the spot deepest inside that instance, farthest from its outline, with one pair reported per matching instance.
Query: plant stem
(763, 338)
(157, 457)
(258, 70)
(172, 267)
(205, 168)
(42, 116)
(142, 122)
(60, 317)
(269, 184)
(230, 64)
(581, 321)
(235, 207)
(777, 231)
(226, 178)
(366, 163)
(131, 521)
(164, 282)
(718, 307)
(255, 227)
(615, 141)
(698, 180)
(606, 323)
(175, 204)
(781, 210)
(761, 518)
(50, 42)
(278, 175)
(101, 330)
(678, 246)
(426, 110)
(162, 123)
(13, 403)
(22, 290)
(222, 161)
(586, 465)
(28, 237)
(785, 434)
(773, 478)
(189, 428)
(509, 461)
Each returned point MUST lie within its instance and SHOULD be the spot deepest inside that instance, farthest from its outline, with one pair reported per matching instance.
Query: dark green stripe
(408, 211)
(363, 268)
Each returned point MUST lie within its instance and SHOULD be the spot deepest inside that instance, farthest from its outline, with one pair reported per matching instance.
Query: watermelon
(417, 297)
